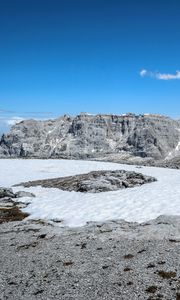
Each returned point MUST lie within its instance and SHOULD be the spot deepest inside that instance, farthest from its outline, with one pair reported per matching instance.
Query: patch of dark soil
(105, 267)
(161, 262)
(83, 245)
(127, 269)
(11, 214)
(141, 251)
(166, 275)
(38, 292)
(130, 283)
(150, 266)
(68, 263)
(174, 241)
(178, 296)
(151, 289)
(128, 256)
(42, 236)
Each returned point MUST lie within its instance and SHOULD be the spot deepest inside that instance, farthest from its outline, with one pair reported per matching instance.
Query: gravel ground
(112, 260)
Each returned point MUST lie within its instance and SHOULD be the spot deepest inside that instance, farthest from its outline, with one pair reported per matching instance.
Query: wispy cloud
(160, 76)
(2, 110)
(27, 113)
(7, 121)
(14, 120)
(9, 118)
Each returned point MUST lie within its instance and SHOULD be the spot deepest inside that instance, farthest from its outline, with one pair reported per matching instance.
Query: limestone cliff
(94, 136)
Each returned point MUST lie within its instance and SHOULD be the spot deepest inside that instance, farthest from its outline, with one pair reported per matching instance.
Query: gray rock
(94, 182)
(9, 200)
(6, 192)
(124, 137)
(24, 194)
(6, 202)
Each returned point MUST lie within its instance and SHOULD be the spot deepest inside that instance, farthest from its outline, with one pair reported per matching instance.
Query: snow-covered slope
(135, 204)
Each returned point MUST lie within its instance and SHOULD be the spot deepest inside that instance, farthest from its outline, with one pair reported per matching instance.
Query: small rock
(6, 192)
(23, 194)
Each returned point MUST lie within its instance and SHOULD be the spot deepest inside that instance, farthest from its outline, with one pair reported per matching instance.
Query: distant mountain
(130, 138)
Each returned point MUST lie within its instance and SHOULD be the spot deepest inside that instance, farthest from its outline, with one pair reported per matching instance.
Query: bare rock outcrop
(94, 182)
(8, 193)
(94, 136)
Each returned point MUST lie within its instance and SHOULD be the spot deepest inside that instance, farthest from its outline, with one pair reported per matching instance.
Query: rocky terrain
(102, 261)
(11, 205)
(145, 139)
(106, 260)
(94, 182)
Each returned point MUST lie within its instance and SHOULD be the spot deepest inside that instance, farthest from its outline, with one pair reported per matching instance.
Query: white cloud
(168, 76)
(14, 120)
(143, 73)
(7, 121)
(160, 76)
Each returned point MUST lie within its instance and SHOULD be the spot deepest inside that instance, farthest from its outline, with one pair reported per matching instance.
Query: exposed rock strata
(94, 182)
(86, 136)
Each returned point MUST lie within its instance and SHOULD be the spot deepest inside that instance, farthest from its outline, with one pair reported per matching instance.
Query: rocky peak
(93, 136)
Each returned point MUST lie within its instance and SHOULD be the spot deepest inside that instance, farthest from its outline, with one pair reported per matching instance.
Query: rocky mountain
(127, 137)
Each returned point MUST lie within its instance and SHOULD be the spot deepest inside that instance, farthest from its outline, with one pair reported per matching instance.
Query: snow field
(75, 209)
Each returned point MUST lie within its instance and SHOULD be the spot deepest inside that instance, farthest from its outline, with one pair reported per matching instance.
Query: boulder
(6, 192)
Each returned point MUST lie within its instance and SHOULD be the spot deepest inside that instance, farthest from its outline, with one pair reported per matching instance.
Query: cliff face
(88, 136)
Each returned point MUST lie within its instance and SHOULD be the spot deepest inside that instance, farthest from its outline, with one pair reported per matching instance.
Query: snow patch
(173, 153)
(178, 147)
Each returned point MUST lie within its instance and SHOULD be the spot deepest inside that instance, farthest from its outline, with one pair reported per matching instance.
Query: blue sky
(68, 56)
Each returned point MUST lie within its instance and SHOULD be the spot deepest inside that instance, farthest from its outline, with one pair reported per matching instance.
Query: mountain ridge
(128, 137)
